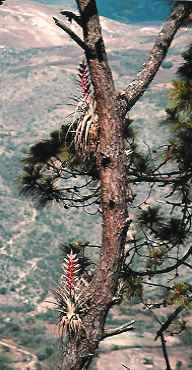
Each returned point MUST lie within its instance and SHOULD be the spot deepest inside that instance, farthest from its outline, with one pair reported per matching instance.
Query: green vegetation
(29, 333)
(167, 64)
(178, 365)
(187, 337)
(180, 98)
(148, 361)
(114, 322)
(49, 315)
(5, 361)
(17, 309)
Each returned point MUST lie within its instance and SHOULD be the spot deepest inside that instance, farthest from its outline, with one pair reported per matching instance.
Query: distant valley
(38, 73)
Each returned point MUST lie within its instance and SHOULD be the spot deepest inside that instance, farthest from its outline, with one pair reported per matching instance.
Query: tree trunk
(79, 350)
(110, 161)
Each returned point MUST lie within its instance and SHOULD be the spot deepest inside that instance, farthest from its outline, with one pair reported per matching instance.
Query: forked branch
(137, 87)
(168, 322)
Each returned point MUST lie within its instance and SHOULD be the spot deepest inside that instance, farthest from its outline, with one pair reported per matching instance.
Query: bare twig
(121, 329)
(72, 34)
(125, 367)
(162, 271)
(72, 17)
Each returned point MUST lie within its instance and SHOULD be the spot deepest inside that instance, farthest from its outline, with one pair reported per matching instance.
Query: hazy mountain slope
(38, 69)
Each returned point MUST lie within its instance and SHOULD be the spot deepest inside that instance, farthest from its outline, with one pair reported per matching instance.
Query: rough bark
(110, 161)
(79, 351)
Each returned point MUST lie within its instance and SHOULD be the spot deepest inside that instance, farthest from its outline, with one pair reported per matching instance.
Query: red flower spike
(71, 268)
(70, 298)
(84, 81)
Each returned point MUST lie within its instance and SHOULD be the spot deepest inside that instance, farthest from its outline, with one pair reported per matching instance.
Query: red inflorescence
(84, 81)
(71, 270)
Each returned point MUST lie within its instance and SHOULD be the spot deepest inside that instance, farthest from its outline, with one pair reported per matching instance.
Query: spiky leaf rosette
(84, 120)
(71, 301)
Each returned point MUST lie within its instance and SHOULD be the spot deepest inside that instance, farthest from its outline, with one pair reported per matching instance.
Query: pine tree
(94, 161)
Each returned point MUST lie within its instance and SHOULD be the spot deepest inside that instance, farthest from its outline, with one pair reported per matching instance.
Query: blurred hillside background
(38, 71)
(126, 11)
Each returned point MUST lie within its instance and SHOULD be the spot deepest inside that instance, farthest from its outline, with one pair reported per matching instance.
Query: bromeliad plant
(70, 297)
(84, 123)
(63, 167)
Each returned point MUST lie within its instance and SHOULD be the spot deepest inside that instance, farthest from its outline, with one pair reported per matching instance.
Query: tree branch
(170, 319)
(72, 17)
(163, 341)
(121, 329)
(125, 367)
(137, 87)
(162, 271)
(72, 34)
(165, 352)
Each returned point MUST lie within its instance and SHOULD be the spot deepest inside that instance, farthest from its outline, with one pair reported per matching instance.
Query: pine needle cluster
(180, 97)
